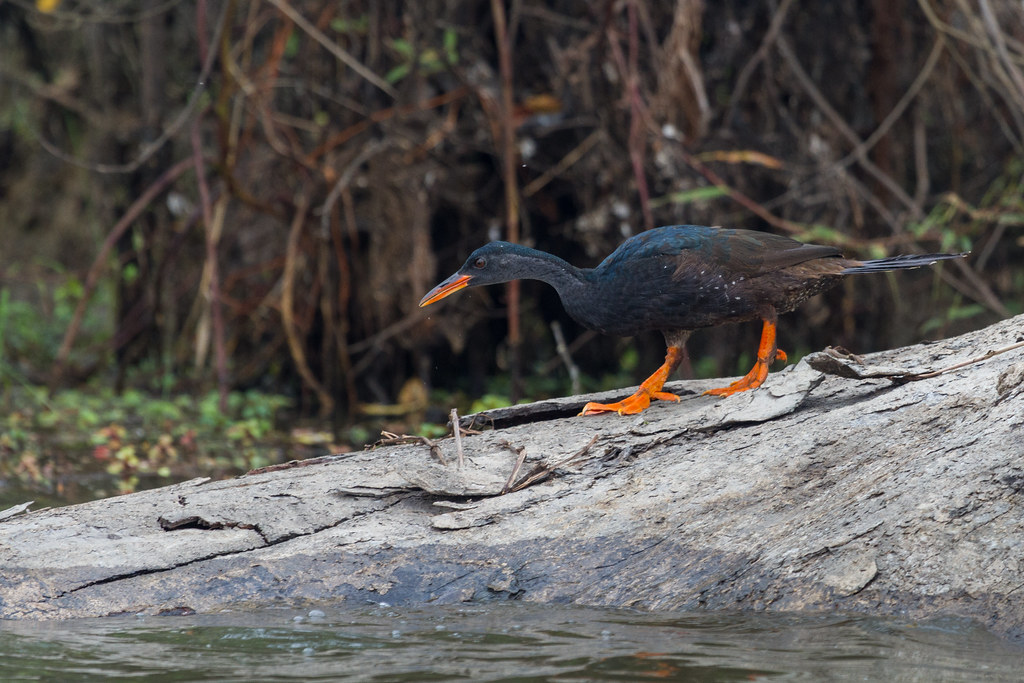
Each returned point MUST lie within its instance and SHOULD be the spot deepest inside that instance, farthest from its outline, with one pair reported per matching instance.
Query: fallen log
(888, 484)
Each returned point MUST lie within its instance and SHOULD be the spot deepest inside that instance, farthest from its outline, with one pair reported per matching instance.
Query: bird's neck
(574, 285)
(563, 276)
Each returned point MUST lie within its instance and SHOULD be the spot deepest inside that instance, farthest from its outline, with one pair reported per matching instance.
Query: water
(502, 642)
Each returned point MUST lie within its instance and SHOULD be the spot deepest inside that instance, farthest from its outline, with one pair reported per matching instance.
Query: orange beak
(449, 286)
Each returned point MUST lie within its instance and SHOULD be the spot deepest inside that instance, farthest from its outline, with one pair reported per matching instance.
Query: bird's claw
(637, 403)
(752, 380)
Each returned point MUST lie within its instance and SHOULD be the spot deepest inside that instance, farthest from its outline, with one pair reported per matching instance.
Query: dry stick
(520, 452)
(563, 352)
(332, 47)
(457, 433)
(211, 271)
(570, 348)
(287, 314)
(391, 439)
(978, 359)
(544, 471)
(100, 262)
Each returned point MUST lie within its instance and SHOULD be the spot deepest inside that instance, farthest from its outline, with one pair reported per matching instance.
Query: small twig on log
(392, 439)
(543, 471)
(956, 366)
(520, 452)
(842, 370)
(843, 353)
(485, 421)
(457, 433)
(292, 464)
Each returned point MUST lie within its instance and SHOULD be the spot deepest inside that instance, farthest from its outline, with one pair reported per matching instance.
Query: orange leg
(767, 353)
(651, 388)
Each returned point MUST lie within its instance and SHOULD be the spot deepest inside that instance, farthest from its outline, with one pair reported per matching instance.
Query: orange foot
(651, 388)
(767, 353)
(752, 380)
(637, 403)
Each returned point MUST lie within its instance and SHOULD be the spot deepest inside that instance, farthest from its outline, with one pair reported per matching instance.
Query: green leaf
(397, 74)
(291, 47)
(451, 44)
(403, 47)
(697, 194)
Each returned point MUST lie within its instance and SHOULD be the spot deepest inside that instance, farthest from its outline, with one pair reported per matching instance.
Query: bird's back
(685, 277)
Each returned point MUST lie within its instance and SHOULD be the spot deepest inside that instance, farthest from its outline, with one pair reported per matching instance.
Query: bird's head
(491, 264)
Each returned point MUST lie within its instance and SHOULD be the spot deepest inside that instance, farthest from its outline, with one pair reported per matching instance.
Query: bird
(676, 279)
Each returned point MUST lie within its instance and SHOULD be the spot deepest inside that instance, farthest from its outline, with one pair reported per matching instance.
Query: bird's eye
(480, 263)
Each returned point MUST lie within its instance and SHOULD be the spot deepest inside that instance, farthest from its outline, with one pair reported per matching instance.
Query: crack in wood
(197, 522)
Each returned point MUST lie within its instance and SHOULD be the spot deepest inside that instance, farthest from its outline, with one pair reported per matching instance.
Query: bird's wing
(743, 252)
(754, 253)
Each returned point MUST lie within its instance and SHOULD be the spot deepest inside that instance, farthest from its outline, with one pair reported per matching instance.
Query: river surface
(503, 642)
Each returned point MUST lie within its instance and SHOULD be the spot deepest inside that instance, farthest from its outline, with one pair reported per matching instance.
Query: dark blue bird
(676, 279)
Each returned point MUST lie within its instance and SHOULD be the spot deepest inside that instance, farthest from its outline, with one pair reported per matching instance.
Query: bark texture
(845, 483)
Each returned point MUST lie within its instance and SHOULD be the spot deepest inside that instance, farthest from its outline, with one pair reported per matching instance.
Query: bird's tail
(899, 262)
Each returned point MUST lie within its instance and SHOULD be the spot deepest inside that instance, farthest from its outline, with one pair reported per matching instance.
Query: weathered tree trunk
(857, 486)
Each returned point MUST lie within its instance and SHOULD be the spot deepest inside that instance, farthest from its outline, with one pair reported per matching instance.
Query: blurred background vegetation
(217, 217)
